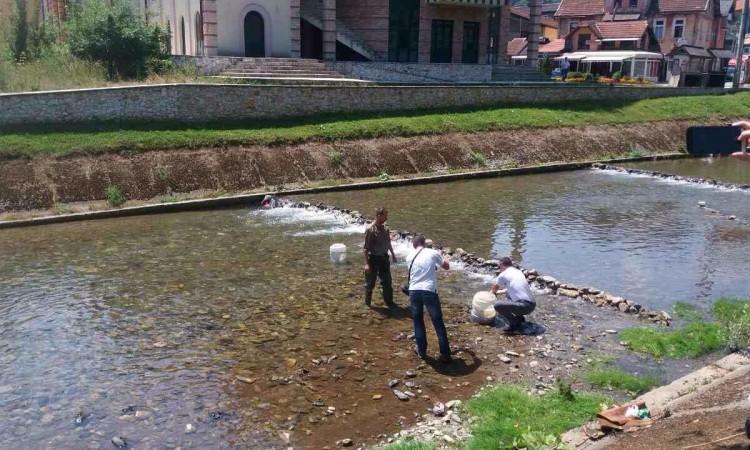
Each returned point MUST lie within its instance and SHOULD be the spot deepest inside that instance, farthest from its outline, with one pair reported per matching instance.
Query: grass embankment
(730, 329)
(113, 137)
(613, 378)
(508, 417)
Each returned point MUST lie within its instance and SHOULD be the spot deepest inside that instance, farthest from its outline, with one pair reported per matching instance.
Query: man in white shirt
(423, 265)
(519, 300)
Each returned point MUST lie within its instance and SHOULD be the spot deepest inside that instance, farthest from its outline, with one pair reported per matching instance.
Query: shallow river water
(231, 329)
(638, 237)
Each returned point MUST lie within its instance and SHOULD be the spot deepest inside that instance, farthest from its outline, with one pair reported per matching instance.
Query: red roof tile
(675, 6)
(633, 29)
(516, 46)
(554, 46)
(523, 11)
(580, 8)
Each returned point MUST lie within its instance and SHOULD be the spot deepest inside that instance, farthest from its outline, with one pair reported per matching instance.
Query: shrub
(617, 76)
(384, 176)
(477, 158)
(336, 158)
(734, 317)
(589, 77)
(114, 195)
(547, 66)
(117, 37)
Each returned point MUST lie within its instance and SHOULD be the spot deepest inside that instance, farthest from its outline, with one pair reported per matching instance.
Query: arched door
(255, 35)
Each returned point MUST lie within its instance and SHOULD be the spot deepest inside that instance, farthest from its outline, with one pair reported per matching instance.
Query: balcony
(472, 3)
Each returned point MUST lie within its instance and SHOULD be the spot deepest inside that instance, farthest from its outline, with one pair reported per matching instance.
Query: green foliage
(114, 195)
(613, 378)
(687, 312)
(477, 158)
(507, 417)
(20, 28)
(617, 76)
(384, 176)
(102, 138)
(409, 445)
(589, 77)
(691, 341)
(336, 158)
(734, 317)
(112, 33)
(547, 66)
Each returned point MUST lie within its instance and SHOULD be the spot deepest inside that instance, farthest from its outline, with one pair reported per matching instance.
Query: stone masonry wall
(410, 73)
(208, 102)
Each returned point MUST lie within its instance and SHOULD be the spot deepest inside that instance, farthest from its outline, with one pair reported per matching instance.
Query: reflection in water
(633, 236)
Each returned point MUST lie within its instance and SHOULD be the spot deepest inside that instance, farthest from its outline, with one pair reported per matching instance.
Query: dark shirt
(377, 240)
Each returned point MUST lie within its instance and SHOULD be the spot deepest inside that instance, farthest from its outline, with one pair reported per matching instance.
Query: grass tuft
(508, 417)
(687, 312)
(691, 341)
(612, 378)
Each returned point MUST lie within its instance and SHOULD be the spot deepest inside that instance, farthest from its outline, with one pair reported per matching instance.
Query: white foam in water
(672, 181)
(286, 215)
(345, 229)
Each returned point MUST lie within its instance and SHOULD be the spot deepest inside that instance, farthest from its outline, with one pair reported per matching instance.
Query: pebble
(453, 404)
(141, 414)
(189, 428)
(505, 359)
(119, 442)
(702, 204)
(393, 383)
(533, 363)
(377, 397)
(611, 331)
(410, 374)
(510, 353)
(400, 395)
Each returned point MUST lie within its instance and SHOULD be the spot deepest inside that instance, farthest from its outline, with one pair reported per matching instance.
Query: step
(282, 75)
(295, 81)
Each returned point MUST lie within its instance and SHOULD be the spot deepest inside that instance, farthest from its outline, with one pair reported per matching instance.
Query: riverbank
(52, 182)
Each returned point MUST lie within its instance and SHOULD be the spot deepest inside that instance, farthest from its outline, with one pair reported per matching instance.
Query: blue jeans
(430, 300)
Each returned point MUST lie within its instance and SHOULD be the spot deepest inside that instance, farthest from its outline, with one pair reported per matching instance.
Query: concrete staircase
(312, 11)
(515, 74)
(295, 71)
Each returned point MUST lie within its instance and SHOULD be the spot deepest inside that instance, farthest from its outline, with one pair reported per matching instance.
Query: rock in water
(393, 383)
(438, 410)
(189, 428)
(400, 395)
(119, 442)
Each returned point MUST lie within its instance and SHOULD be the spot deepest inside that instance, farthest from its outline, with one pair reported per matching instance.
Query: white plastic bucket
(338, 253)
(483, 307)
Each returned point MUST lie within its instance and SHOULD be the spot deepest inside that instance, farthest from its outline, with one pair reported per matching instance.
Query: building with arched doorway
(407, 31)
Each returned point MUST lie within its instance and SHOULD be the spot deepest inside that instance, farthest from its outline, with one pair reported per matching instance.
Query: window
(470, 54)
(403, 31)
(199, 46)
(633, 4)
(679, 28)
(583, 41)
(573, 26)
(659, 29)
(442, 41)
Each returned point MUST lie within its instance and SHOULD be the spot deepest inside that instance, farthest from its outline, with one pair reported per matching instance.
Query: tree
(111, 32)
(20, 32)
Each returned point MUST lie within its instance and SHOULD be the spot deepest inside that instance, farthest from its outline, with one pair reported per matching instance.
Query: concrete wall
(205, 102)
(231, 19)
(413, 73)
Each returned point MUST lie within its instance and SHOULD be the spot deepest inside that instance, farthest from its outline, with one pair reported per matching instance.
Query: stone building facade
(407, 31)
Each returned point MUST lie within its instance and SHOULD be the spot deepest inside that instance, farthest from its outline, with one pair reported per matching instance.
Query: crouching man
(519, 300)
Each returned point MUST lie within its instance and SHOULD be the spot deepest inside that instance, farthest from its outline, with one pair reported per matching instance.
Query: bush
(336, 158)
(115, 197)
(589, 77)
(617, 76)
(547, 66)
(478, 159)
(116, 36)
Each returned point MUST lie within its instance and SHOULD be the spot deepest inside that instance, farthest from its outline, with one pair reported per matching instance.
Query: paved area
(702, 422)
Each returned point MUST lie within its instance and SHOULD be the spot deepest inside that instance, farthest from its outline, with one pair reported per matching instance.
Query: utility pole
(535, 30)
(741, 45)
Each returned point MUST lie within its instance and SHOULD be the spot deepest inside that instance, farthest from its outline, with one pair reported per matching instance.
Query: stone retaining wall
(212, 102)
(409, 73)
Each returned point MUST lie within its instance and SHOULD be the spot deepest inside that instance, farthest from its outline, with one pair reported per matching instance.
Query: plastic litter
(338, 253)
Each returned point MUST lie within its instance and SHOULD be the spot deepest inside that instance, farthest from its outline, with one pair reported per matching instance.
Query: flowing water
(234, 322)
(634, 236)
(724, 169)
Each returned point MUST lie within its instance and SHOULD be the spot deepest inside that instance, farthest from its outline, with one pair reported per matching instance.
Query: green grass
(687, 312)
(115, 137)
(691, 341)
(409, 445)
(731, 330)
(508, 417)
(617, 379)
